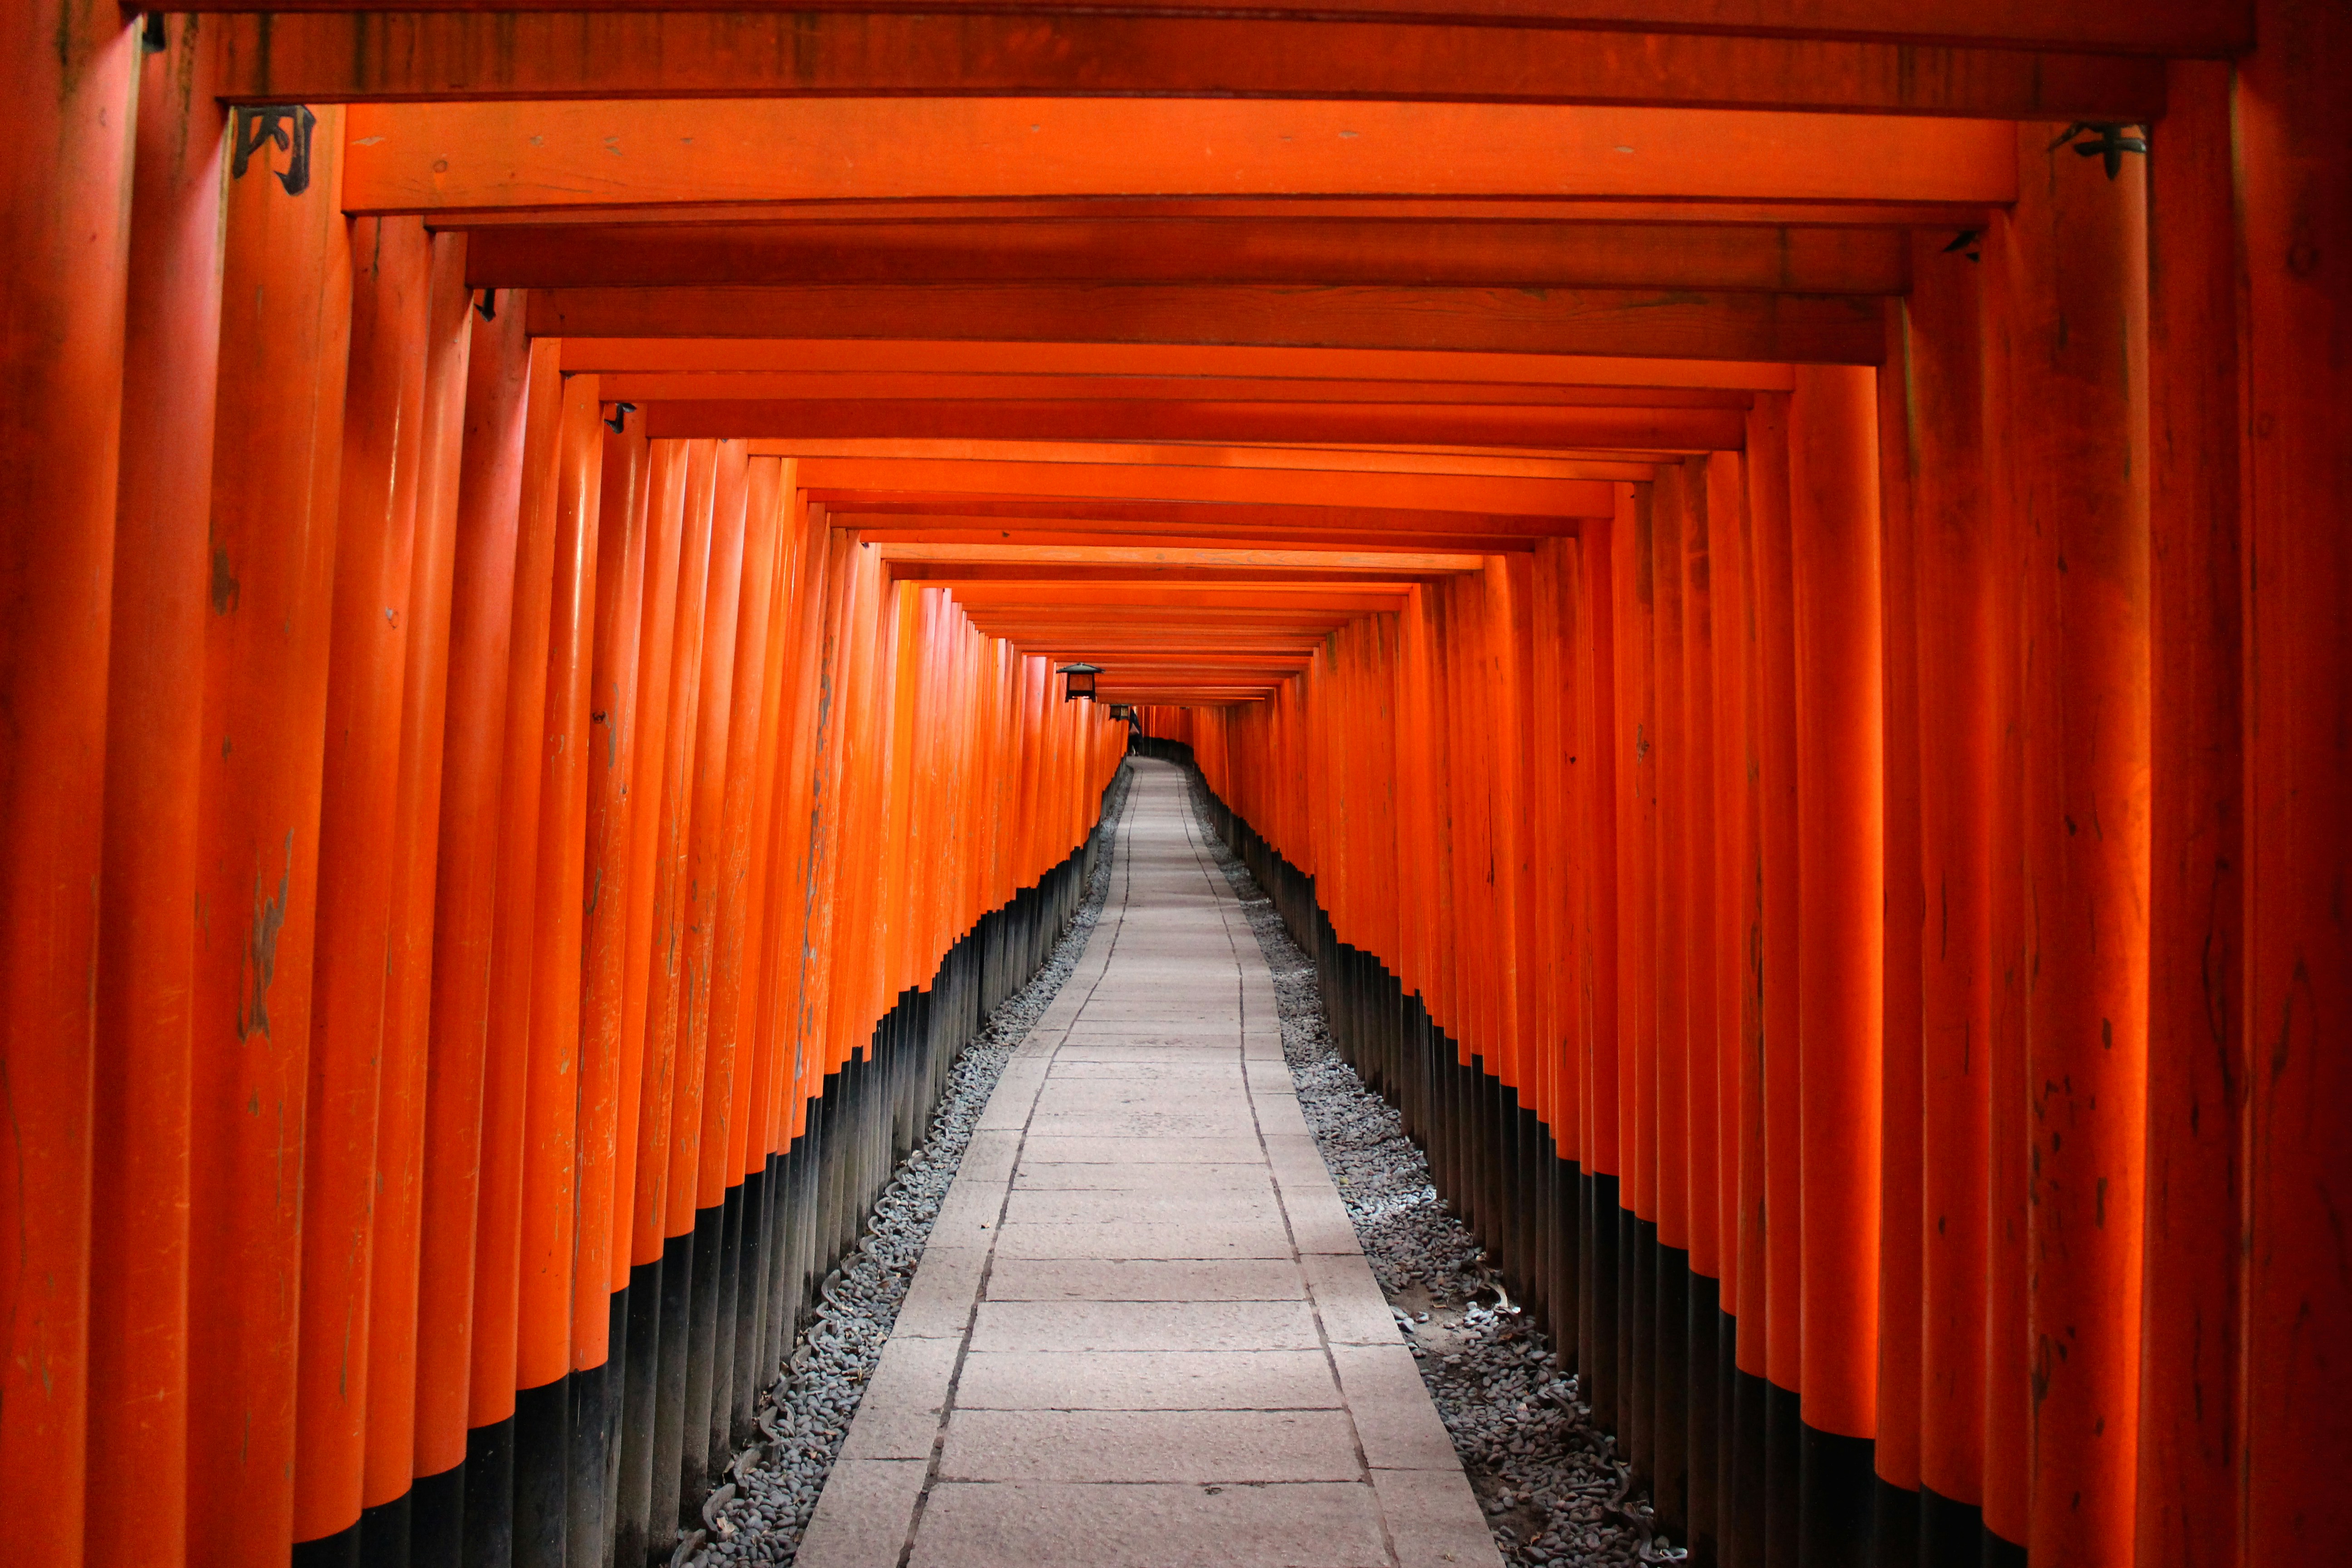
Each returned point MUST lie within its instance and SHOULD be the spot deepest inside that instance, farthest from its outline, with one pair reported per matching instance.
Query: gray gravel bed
(758, 1517)
(1553, 1487)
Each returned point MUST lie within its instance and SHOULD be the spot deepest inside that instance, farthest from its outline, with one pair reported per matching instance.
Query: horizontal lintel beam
(1610, 429)
(1824, 328)
(306, 53)
(435, 158)
(1457, 253)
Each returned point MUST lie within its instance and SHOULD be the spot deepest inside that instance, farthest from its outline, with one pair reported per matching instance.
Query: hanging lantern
(1078, 680)
(1122, 713)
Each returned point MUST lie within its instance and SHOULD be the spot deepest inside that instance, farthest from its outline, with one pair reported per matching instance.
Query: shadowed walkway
(1143, 1333)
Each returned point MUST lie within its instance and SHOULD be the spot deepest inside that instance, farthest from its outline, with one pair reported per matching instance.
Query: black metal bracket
(2106, 143)
(1965, 244)
(151, 36)
(287, 126)
(486, 307)
(620, 420)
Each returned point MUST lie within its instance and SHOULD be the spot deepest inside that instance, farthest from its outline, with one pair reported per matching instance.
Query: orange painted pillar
(1774, 708)
(1902, 1062)
(1834, 555)
(2292, 150)
(1637, 858)
(610, 895)
(770, 497)
(2007, 1438)
(555, 1110)
(549, 1240)
(1738, 920)
(285, 330)
(1957, 654)
(1665, 748)
(638, 1240)
(1592, 588)
(473, 765)
(706, 866)
(391, 261)
(506, 1078)
(2078, 397)
(2191, 1423)
(1834, 532)
(1696, 874)
(147, 933)
(393, 1274)
(660, 1115)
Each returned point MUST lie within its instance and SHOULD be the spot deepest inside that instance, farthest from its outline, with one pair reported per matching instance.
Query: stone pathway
(1143, 1335)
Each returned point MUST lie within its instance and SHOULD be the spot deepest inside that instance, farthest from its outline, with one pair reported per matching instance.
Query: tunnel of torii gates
(1767, 587)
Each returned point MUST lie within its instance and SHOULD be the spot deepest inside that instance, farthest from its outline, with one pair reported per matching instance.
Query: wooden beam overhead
(1565, 209)
(1613, 429)
(1328, 458)
(446, 157)
(1793, 327)
(523, 52)
(827, 479)
(1012, 514)
(1126, 534)
(800, 353)
(1777, 258)
(692, 386)
(1336, 562)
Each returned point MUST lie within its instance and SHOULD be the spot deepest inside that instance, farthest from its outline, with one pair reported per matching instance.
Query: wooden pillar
(147, 939)
(612, 891)
(69, 88)
(1958, 660)
(1833, 553)
(2077, 398)
(464, 897)
(642, 1126)
(490, 1451)
(549, 1238)
(367, 656)
(1901, 1100)
(1774, 705)
(285, 331)
(2190, 1431)
(2297, 198)
(393, 1318)
(1739, 895)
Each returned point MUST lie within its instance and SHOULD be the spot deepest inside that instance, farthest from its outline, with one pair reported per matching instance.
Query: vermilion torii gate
(1771, 581)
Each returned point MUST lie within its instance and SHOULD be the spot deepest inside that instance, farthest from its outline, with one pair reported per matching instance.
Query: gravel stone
(1552, 1484)
(806, 1414)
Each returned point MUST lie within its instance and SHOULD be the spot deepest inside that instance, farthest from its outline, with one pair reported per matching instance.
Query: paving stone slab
(940, 1299)
(1144, 1280)
(1348, 1300)
(1144, 1326)
(1128, 1048)
(1142, 1239)
(1224, 1071)
(1399, 1427)
(1045, 1148)
(1164, 1176)
(1223, 1122)
(1434, 1519)
(899, 1413)
(1147, 1380)
(1315, 1524)
(1155, 1205)
(864, 1514)
(1240, 1447)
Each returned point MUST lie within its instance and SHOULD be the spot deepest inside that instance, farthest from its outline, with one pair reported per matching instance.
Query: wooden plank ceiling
(1174, 340)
